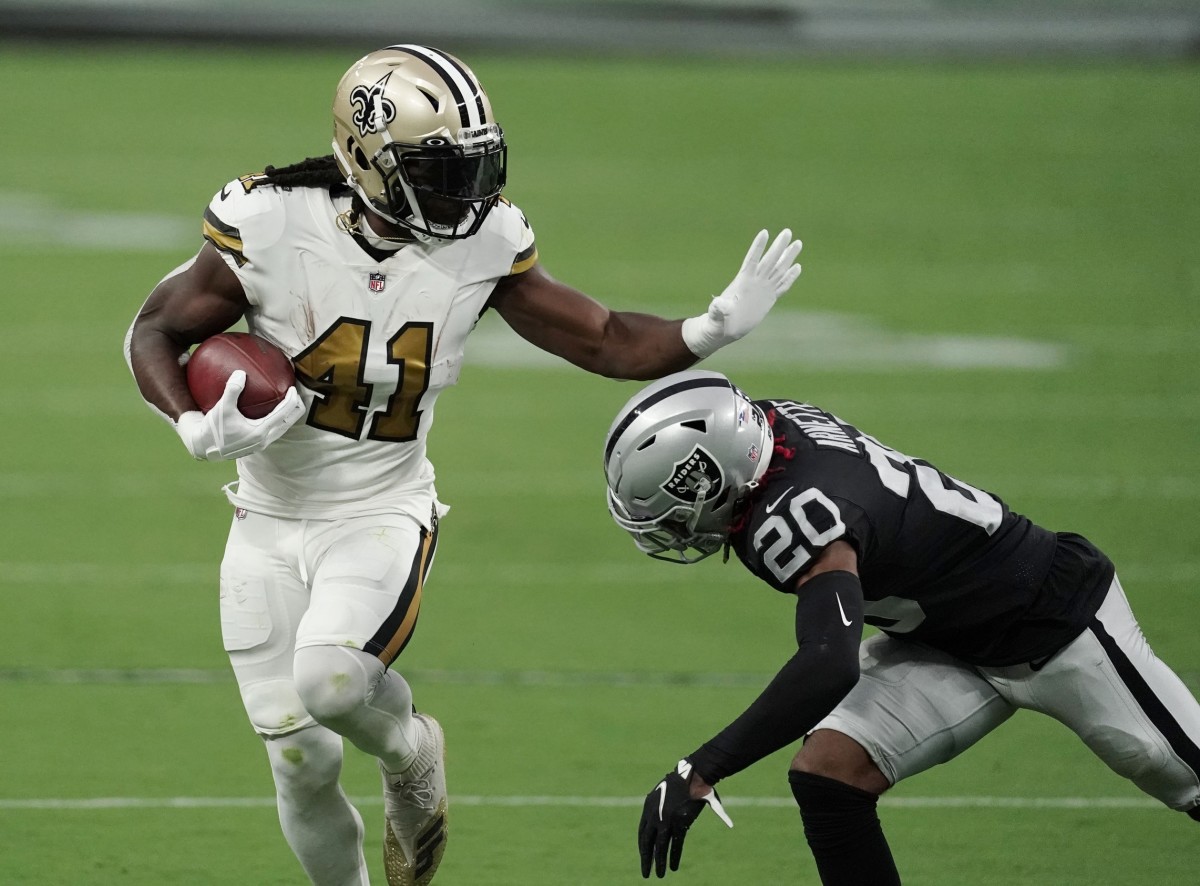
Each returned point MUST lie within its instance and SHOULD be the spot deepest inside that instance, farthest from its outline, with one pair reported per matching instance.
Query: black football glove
(667, 814)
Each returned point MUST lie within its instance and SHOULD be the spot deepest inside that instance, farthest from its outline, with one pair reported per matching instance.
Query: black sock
(843, 832)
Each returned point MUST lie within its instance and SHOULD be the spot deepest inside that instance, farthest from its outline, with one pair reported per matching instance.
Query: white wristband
(195, 433)
(702, 335)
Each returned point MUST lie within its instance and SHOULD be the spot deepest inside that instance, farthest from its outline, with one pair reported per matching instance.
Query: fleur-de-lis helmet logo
(372, 111)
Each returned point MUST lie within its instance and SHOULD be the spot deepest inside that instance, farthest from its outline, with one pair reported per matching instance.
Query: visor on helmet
(443, 191)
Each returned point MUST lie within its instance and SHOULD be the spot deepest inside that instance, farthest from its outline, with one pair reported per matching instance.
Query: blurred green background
(1001, 275)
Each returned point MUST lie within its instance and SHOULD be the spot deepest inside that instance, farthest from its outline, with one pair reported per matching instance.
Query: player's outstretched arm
(569, 324)
(632, 345)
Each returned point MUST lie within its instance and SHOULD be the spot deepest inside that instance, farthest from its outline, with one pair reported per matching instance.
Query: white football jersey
(374, 343)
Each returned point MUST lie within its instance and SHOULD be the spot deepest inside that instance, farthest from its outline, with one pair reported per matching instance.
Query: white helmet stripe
(466, 90)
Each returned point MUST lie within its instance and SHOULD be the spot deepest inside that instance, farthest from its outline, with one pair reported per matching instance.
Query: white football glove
(745, 301)
(224, 433)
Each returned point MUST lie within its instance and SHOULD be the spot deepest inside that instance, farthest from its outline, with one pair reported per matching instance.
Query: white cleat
(414, 808)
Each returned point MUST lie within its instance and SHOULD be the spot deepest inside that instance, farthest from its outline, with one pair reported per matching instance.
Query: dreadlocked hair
(312, 172)
(780, 451)
(787, 453)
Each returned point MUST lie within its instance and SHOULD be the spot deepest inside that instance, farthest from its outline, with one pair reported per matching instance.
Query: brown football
(269, 372)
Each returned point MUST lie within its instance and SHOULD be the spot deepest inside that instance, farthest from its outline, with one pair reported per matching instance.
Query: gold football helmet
(415, 137)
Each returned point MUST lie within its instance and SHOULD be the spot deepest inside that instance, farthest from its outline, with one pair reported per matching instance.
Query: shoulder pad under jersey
(244, 211)
(510, 223)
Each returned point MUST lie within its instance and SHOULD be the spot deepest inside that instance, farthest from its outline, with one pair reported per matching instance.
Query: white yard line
(537, 678)
(149, 676)
(983, 802)
(518, 573)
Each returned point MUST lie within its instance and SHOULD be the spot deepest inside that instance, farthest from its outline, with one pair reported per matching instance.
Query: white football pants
(312, 614)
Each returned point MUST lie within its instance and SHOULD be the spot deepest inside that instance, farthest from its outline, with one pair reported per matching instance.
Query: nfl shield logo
(377, 282)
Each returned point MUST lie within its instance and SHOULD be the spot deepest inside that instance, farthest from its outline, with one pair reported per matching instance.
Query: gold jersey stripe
(225, 237)
(404, 632)
(525, 260)
(252, 181)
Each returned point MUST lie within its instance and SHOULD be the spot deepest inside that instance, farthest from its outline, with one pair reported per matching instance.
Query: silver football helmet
(678, 458)
(414, 135)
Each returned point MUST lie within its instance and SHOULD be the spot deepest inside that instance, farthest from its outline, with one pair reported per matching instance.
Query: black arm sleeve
(829, 620)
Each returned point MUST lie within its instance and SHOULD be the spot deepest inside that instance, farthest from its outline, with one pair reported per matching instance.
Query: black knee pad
(843, 831)
(833, 812)
(828, 791)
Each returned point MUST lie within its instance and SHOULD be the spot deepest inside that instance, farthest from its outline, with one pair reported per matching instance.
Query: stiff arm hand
(667, 814)
(224, 433)
(744, 303)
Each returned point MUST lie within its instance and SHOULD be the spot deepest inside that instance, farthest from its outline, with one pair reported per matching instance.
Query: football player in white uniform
(981, 612)
(370, 267)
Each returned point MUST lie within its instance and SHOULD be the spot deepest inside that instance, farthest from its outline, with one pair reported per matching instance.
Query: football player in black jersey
(981, 612)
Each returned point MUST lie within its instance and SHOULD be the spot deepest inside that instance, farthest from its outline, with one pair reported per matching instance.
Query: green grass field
(1001, 275)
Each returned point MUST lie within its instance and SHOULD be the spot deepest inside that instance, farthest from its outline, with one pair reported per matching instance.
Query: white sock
(319, 823)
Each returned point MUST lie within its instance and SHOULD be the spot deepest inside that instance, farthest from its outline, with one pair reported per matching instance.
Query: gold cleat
(415, 812)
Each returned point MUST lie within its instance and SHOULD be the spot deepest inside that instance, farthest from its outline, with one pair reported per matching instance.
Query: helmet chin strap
(384, 241)
(381, 241)
(702, 489)
(389, 161)
(351, 221)
(357, 221)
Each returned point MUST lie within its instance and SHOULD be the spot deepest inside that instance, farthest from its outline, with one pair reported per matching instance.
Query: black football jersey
(940, 561)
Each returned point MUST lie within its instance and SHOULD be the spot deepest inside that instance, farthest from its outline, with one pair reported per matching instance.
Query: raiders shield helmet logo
(697, 473)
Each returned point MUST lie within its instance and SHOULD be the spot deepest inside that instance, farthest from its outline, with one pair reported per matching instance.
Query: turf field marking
(500, 482)
(550, 679)
(210, 676)
(522, 573)
(816, 339)
(38, 220)
(983, 802)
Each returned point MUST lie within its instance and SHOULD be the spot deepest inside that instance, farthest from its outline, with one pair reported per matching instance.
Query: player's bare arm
(183, 310)
(621, 344)
(576, 327)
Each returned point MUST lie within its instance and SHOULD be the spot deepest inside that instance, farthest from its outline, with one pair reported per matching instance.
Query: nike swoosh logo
(772, 505)
(662, 798)
(224, 192)
(841, 611)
